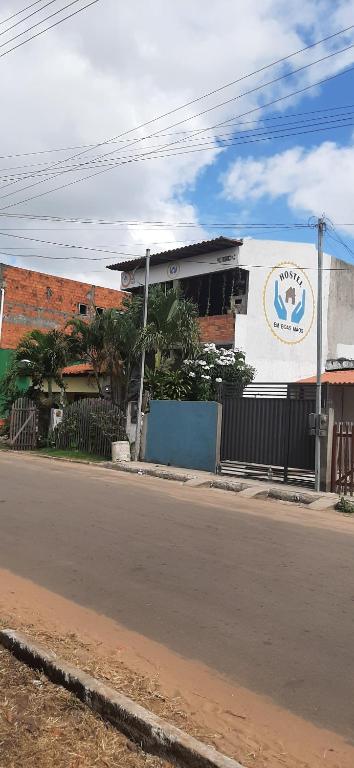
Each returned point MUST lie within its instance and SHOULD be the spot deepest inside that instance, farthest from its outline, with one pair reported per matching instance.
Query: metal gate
(23, 425)
(342, 479)
(268, 438)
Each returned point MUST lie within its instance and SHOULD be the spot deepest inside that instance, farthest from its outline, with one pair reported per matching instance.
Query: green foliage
(345, 505)
(212, 367)
(166, 384)
(43, 356)
(172, 325)
(109, 344)
(11, 387)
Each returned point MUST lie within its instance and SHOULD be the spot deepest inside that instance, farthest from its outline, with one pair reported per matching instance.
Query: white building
(260, 296)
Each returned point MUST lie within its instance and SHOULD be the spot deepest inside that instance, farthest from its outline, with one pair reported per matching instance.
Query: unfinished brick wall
(219, 329)
(34, 300)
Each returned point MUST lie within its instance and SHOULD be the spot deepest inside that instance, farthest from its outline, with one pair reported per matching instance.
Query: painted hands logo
(289, 303)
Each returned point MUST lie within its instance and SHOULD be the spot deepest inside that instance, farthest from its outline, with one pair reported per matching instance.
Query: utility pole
(321, 226)
(142, 369)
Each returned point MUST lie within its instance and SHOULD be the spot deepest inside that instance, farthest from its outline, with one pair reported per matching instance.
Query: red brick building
(33, 300)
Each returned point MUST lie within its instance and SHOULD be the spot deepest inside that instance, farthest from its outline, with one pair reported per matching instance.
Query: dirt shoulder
(237, 722)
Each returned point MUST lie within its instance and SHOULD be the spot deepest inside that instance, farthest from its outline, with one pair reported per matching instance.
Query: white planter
(121, 451)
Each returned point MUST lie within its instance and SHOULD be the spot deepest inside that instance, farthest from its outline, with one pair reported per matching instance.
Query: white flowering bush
(211, 367)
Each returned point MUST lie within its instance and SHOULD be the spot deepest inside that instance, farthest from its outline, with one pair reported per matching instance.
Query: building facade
(260, 296)
(33, 300)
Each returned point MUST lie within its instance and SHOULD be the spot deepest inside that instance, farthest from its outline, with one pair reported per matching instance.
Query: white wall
(280, 359)
(274, 358)
(193, 265)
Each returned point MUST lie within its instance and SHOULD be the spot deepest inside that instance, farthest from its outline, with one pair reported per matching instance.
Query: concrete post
(326, 453)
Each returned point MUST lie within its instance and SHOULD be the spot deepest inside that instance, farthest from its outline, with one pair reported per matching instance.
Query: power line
(38, 23)
(4, 21)
(48, 28)
(160, 223)
(187, 104)
(128, 159)
(189, 133)
(66, 245)
(330, 121)
(97, 173)
(39, 10)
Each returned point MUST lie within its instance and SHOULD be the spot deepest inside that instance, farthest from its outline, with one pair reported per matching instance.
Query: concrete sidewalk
(240, 485)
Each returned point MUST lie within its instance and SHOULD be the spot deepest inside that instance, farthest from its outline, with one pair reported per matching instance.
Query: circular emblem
(173, 270)
(126, 279)
(289, 303)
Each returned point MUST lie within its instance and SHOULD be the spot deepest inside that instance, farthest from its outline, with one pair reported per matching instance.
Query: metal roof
(197, 249)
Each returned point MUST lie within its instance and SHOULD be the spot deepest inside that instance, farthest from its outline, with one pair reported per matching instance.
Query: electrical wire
(38, 23)
(215, 107)
(67, 245)
(4, 21)
(51, 26)
(160, 223)
(39, 10)
(189, 133)
(255, 109)
(327, 121)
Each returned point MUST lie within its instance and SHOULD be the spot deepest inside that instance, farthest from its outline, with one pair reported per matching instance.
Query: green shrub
(345, 506)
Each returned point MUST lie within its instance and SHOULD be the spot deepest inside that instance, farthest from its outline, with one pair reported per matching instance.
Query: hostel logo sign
(289, 303)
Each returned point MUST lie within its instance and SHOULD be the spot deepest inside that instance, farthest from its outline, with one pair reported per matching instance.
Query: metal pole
(320, 230)
(142, 369)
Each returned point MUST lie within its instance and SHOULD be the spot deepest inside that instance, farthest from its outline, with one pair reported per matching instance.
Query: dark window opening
(218, 293)
(83, 309)
(99, 310)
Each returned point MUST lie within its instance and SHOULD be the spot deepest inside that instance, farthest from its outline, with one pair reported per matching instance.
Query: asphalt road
(267, 602)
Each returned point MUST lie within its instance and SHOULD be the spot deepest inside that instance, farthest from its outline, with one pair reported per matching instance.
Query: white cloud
(111, 68)
(313, 181)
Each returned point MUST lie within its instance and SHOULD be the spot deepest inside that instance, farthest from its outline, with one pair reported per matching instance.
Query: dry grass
(85, 655)
(44, 726)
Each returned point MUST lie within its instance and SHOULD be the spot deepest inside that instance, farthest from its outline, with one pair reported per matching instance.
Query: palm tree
(43, 356)
(172, 325)
(86, 343)
(109, 344)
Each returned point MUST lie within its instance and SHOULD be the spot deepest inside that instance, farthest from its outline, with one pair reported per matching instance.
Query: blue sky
(212, 204)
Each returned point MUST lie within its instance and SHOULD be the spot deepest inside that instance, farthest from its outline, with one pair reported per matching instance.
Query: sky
(253, 153)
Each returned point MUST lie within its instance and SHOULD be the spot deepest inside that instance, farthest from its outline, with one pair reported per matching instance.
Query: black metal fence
(268, 436)
(90, 425)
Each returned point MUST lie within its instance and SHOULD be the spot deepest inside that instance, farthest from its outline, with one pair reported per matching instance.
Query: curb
(310, 500)
(146, 729)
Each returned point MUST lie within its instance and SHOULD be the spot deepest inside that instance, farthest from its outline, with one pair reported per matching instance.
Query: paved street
(267, 601)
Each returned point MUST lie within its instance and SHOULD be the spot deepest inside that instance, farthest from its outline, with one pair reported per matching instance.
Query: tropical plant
(10, 387)
(109, 344)
(211, 367)
(167, 384)
(172, 325)
(42, 356)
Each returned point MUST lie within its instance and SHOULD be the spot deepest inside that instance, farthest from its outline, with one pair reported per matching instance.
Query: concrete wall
(34, 300)
(184, 434)
(291, 355)
(181, 268)
(341, 311)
